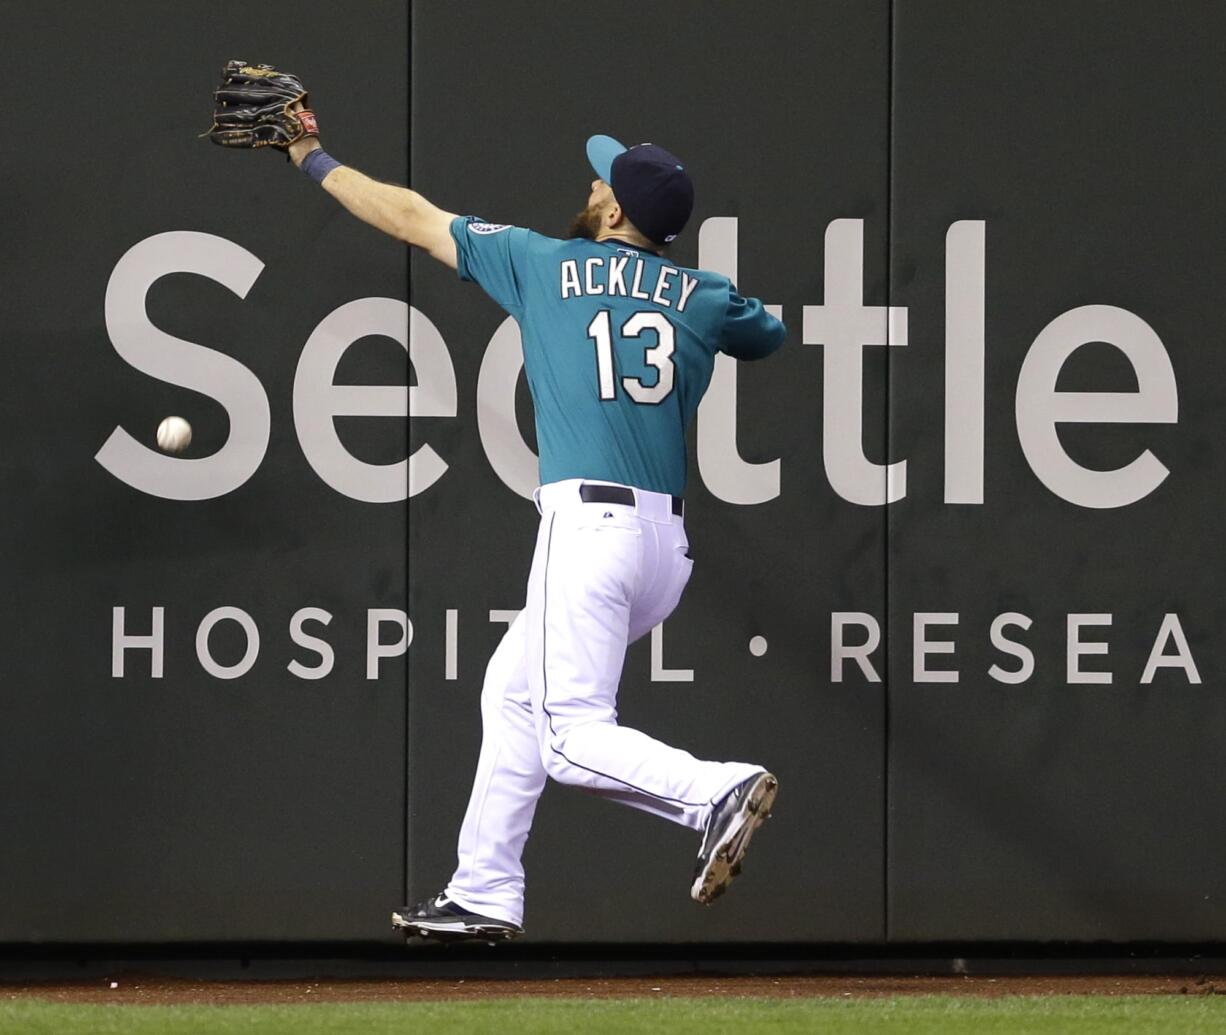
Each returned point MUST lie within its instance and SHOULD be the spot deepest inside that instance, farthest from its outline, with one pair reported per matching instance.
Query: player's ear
(614, 216)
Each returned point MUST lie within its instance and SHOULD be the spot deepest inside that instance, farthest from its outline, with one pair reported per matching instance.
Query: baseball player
(619, 344)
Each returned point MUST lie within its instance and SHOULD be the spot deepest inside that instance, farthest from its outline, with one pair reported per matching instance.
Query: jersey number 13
(659, 355)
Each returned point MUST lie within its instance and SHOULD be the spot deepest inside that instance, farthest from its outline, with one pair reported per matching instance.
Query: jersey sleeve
(750, 332)
(492, 255)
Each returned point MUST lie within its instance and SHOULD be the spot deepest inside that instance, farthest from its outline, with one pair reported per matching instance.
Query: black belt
(590, 493)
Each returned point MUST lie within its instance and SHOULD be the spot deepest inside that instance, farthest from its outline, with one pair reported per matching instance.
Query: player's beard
(585, 225)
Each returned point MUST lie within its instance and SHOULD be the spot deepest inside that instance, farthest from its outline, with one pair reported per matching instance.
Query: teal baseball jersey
(619, 345)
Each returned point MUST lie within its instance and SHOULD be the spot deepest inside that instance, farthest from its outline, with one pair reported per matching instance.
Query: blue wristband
(318, 164)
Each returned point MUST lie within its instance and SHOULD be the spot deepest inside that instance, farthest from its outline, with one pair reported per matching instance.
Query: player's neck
(612, 237)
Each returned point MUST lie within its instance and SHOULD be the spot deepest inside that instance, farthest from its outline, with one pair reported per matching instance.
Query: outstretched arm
(261, 106)
(398, 211)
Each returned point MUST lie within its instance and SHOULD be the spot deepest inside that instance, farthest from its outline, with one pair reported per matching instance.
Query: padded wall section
(190, 806)
(780, 112)
(1068, 157)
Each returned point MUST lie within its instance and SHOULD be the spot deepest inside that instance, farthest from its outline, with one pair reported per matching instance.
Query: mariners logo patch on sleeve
(488, 228)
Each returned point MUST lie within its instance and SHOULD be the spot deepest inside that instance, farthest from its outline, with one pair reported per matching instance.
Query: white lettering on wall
(842, 325)
(965, 291)
(1172, 631)
(376, 649)
(1041, 409)
(250, 653)
(186, 365)
(122, 640)
(509, 455)
(846, 326)
(841, 651)
(922, 647)
(317, 401)
(327, 656)
(434, 395)
(659, 673)
(1077, 649)
(724, 472)
(1006, 646)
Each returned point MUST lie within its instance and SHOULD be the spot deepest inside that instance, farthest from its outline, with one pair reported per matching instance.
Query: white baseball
(174, 435)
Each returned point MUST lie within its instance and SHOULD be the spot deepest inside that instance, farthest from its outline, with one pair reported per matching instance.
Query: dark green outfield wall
(991, 450)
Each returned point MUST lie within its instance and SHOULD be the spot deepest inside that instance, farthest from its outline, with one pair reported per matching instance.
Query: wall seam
(406, 801)
(886, 512)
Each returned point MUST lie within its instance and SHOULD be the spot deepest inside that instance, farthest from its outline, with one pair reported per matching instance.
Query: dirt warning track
(135, 989)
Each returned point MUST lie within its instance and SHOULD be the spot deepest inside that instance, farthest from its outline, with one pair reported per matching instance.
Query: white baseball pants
(602, 576)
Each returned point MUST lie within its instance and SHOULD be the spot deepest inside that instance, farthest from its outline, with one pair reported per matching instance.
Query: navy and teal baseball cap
(650, 184)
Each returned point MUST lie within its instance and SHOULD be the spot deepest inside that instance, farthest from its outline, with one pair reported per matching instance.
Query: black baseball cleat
(745, 808)
(445, 920)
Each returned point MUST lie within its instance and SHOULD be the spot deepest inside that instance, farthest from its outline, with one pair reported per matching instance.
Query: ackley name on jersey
(623, 275)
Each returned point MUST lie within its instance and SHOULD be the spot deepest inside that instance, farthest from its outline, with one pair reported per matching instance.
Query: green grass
(918, 1015)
